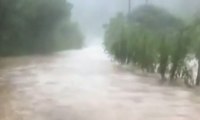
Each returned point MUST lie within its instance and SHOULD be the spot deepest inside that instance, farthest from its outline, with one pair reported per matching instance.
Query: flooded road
(86, 85)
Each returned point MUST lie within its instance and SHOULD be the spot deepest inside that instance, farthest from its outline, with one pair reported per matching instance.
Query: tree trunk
(198, 74)
(173, 71)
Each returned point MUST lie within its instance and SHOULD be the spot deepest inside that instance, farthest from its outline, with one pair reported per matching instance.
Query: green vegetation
(31, 27)
(155, 41)
(195, 36)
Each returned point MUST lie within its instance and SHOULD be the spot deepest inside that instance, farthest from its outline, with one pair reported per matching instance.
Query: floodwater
(86, 85)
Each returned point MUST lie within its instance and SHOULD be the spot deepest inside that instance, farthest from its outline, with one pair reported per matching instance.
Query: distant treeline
(37, 26)
(156, 41)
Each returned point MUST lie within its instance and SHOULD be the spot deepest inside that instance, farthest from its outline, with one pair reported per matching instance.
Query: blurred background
(99, 59)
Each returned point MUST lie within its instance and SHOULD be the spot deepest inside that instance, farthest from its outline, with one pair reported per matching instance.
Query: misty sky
(92, 14)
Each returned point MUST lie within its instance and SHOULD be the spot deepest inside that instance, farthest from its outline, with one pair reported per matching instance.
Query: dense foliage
(40, 26)
(155, 41)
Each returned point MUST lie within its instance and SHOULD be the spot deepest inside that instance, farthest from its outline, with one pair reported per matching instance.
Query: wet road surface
(86, 85)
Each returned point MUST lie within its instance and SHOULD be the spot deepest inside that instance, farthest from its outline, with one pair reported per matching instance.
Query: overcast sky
(92, 14)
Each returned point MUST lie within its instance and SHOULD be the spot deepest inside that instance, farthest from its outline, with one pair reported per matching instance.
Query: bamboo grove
(156, 41)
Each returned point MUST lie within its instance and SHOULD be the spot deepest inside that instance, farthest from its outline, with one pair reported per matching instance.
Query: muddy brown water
(86, 85)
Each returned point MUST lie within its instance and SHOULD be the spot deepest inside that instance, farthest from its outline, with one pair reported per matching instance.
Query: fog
(54, 67)
(93, 14)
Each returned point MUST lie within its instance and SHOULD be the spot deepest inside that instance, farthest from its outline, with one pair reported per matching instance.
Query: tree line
(156, 41)
(37, 26)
